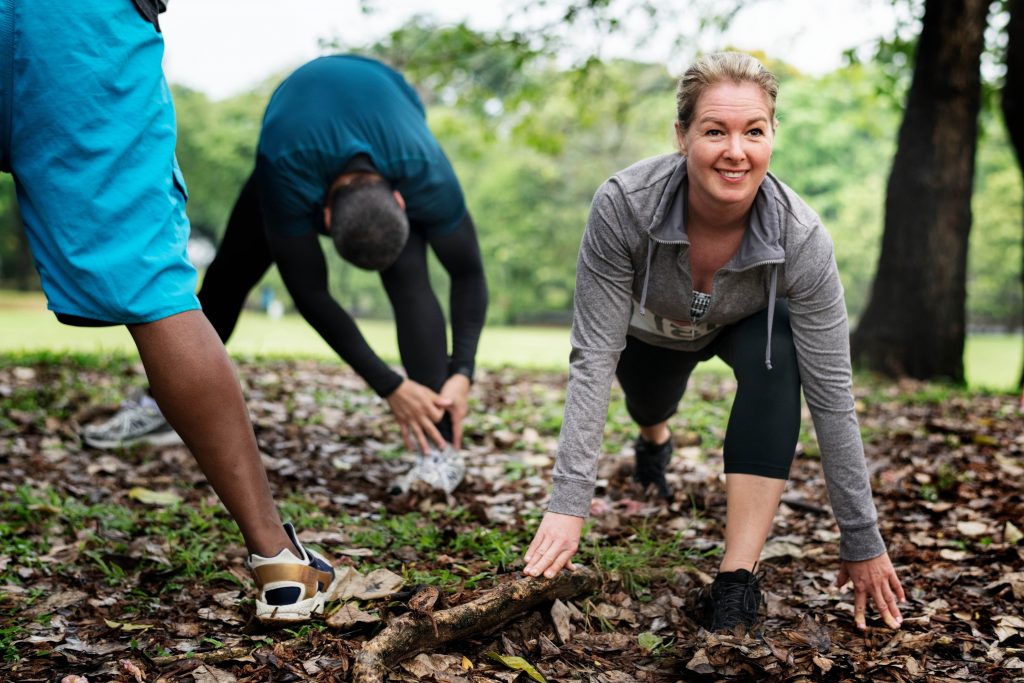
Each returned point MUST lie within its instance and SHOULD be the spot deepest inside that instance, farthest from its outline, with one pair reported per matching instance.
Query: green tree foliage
(532, 139)
(216, 150)
(994, 298)
(16, 268)
(834, 145)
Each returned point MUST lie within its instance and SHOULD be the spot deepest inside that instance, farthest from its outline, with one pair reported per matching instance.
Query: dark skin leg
(194, 383)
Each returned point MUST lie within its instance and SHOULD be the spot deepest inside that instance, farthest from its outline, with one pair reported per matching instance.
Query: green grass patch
(258, 335)
(992, 362)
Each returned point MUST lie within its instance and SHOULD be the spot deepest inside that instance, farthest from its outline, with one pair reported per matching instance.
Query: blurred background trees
(532, 134)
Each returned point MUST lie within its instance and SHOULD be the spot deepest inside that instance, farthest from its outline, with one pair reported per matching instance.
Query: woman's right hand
(417, 409)
(554, 544)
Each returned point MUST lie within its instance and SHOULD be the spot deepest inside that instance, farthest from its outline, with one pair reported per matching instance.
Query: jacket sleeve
(601, 309)
(304, 271)
(821, 335)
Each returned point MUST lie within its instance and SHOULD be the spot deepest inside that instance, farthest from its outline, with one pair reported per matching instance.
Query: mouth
(731, 175)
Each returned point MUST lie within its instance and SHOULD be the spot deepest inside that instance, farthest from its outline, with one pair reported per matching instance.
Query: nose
(735, 148)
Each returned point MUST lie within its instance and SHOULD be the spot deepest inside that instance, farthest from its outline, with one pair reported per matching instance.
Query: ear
(680, 138)
(400, 199)
(327, 218)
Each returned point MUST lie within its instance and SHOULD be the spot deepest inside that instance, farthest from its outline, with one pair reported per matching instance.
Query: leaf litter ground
(122, 566)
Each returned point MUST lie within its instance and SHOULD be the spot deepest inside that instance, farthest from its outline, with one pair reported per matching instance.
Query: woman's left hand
(874, 578)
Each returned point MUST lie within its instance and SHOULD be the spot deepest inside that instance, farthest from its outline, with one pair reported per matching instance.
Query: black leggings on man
(244, 256)
(764, 423)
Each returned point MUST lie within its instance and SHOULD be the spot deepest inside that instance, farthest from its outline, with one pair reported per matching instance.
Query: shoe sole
(289, 614)
(170, 438)
(297, 611)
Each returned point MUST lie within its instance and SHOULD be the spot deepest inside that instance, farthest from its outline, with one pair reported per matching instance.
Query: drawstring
(647, 276)
(771, 316)
(771, 301)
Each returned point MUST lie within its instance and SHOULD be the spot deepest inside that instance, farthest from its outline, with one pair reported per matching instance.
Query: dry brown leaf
(424, 665)
(349, 615)
(205, 673)
(560, 615)
(379, 583)
(700, 663)
(972, 528)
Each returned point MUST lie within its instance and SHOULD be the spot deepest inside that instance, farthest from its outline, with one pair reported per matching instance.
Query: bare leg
(194, 383)
(656, 434)
(751, 503)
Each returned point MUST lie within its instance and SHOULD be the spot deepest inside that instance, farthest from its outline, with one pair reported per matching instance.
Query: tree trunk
(1013, 93)
(914, 323)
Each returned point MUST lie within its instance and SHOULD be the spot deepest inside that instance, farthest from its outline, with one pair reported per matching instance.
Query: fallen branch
(217, 656)
(223, 654)
(411, 633)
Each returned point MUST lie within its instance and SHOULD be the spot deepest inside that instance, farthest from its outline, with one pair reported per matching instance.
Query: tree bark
(411, 634)
(1013, 94)
(914, 323)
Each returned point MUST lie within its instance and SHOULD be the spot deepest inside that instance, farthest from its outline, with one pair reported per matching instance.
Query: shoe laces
(130, 417)
(737, 602)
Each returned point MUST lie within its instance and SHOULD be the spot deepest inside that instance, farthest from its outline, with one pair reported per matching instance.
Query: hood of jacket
(761, 240)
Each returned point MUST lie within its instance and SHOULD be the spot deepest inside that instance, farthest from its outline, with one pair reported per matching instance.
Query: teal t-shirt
(332, 109)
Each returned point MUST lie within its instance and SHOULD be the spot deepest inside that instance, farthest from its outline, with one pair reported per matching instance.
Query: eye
(713, 132)
(756, 132)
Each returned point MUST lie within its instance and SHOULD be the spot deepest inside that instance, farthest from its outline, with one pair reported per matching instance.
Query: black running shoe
(734, 598)
(651, 462)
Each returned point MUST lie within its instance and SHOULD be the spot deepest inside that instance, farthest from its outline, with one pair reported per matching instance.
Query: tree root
(412, 633)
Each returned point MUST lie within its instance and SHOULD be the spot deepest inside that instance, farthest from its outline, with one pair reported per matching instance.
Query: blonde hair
(716, 68)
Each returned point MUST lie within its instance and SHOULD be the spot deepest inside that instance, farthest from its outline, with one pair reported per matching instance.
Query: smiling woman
(701, 254)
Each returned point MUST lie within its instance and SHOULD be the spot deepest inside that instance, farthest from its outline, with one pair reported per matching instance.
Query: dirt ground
(102, 600)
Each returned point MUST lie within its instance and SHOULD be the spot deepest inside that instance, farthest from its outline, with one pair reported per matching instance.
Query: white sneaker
(291, 588)
(139, 420)
(441, 469)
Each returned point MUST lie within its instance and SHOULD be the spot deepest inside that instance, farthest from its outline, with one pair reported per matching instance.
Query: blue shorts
(87, 129)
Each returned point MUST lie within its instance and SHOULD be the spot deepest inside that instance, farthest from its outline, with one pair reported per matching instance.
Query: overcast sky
(223, 47)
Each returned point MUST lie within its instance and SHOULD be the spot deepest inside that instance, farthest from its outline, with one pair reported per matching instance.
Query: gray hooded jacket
(633, 277)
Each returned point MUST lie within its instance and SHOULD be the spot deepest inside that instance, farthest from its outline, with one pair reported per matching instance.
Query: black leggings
(764, 423)
(243, 257)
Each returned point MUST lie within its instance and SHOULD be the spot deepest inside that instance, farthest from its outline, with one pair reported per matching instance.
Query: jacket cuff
(571, 497)
(863, 543)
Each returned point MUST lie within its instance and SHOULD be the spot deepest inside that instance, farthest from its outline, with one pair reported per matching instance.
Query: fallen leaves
(518, 664)
(348, 616)
(380, 583)
(947, 479)
(160, 498)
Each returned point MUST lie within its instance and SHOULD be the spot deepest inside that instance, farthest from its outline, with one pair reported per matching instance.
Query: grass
(992, 361)
(258, 335)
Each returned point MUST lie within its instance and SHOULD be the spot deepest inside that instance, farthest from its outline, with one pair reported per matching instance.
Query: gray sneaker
(138, 421)
(440, 469)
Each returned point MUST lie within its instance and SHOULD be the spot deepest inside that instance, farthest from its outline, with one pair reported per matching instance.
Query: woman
(687, 256)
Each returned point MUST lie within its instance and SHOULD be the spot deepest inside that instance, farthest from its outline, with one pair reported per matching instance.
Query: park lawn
(29, 327)
(992, 361)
